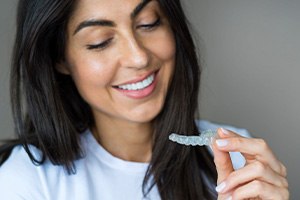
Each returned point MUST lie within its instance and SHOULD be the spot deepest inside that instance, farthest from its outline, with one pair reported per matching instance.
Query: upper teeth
(139, 85)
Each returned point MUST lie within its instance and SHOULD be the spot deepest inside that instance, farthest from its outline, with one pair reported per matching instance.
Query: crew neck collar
(106, 157)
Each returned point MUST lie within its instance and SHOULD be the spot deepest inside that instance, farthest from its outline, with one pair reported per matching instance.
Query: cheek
(85, 66)
(163, 46)
(90, 73)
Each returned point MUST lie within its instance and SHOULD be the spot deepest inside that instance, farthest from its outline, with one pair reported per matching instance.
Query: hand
(263, 176)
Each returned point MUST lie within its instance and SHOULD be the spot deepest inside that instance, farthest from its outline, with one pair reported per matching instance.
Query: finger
(253, 171)
(223, 163)
(252, 149)
(227, 196)
(260, 190)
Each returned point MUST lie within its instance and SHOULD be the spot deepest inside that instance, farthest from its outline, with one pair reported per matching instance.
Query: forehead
(107, 9)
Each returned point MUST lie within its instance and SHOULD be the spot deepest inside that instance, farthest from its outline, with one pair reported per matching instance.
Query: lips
(138, 83)
(139, 89)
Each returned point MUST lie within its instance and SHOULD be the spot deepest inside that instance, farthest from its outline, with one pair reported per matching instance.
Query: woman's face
(121, 56)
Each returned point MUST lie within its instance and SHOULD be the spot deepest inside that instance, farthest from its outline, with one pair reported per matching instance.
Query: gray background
(251, 57)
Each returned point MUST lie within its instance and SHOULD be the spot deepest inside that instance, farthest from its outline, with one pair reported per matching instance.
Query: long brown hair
(50, 114)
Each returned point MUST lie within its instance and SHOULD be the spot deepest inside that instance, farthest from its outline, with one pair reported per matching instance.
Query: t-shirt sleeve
(18, 178)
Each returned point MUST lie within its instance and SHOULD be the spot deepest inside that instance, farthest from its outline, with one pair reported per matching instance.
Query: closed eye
(102, 45)
(150, 26)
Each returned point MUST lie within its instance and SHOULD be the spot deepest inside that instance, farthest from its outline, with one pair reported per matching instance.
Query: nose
(134, 54)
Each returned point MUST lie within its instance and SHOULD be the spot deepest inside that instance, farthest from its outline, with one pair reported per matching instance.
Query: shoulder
(205, 124)
(237, 159)
(18, 176)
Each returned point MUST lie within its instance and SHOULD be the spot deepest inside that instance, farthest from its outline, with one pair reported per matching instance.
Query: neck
(125, 140)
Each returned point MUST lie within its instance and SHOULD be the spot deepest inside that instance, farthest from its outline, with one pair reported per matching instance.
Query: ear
(62, 68)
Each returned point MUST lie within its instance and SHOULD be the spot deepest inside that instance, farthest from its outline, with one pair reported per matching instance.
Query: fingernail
(229, 198)
(221, 142)
(220, 187)
(226, 132)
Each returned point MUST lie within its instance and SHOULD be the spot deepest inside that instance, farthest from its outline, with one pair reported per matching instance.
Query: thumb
(222, 160)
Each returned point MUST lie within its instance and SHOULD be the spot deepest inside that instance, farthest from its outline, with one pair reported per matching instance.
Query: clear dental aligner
(205, 138)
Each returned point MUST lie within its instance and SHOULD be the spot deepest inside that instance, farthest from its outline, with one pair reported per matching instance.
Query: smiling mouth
(139, 89)
(138, 85)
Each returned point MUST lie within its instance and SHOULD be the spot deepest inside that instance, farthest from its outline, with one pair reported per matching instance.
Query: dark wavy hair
(50, 114)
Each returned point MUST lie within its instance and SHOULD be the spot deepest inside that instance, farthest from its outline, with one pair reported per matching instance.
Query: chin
(145, 116)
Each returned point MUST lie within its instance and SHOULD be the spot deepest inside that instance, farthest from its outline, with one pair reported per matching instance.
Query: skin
(134, 51)
(123, 126)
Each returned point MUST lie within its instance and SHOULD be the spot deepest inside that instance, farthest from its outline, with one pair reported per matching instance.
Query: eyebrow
(104, 22)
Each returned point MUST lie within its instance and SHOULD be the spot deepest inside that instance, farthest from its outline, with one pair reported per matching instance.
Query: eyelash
(99, 46)
(150, 26)
(147, 27)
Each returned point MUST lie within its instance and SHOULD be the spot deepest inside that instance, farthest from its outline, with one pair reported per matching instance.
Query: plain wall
(251, 68)
(7, 29)
(251, 54)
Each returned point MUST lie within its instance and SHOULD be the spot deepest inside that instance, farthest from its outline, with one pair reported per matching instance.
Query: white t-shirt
(99, 175)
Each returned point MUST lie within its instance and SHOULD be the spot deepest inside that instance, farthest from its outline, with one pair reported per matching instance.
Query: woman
(97, 87)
